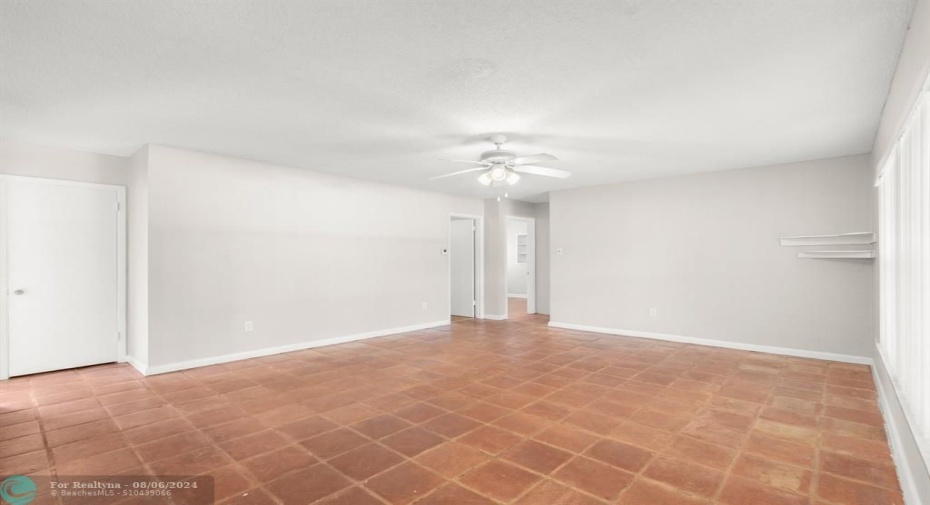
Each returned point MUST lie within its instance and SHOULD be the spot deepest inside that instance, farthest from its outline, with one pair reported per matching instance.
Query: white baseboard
(138, 365)
(494, 317)
(787, 351)
(268, 351)
(893, 422)
(516, 296)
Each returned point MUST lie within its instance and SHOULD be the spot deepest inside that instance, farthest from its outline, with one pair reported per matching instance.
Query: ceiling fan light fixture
(499, 167)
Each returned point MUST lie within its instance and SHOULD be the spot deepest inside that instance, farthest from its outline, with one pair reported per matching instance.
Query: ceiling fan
(503, 168)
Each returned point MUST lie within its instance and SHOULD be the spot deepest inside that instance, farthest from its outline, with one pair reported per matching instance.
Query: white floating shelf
(854, 255)
(857, 238)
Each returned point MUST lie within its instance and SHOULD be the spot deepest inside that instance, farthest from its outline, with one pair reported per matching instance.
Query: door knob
(19, 292)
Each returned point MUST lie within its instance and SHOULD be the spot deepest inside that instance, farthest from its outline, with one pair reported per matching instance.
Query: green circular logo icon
(18, 490)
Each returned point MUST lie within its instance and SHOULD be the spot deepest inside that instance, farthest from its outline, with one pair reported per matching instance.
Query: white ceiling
(618, 90)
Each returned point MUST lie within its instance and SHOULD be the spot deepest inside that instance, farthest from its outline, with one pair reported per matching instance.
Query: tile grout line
(52, 466)
(815, 476)
(728, 472)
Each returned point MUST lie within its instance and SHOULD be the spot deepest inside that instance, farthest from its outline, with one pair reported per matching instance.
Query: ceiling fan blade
(466, 161)
(548, 172)
(536, 158)
(459, 172)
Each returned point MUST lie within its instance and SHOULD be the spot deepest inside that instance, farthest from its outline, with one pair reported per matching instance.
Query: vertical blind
(904, 266)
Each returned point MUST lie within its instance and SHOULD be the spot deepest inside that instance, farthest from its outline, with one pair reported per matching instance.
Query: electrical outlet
(425, 306)
(249, 326)
(653, 312)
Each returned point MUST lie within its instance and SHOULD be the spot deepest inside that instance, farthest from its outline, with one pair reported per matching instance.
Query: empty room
(465, 252)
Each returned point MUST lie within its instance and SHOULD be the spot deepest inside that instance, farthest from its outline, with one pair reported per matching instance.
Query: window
(904, 267)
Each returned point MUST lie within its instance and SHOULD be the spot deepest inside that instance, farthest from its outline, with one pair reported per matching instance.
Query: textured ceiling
(618, 90)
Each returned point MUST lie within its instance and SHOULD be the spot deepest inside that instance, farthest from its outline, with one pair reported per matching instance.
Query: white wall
(516, 272)
(32, 160)
(704, 251)
(913, 67)
(462, 266)
(305, 256)
(137, 305)
(495, 253)
(543, 254)
(495, 265)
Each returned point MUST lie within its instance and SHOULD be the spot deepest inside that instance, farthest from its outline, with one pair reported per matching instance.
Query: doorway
(62, 275)
(521, 266)
(465, 266)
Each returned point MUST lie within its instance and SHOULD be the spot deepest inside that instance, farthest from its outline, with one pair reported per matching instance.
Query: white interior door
(63, 252)
(462, 264)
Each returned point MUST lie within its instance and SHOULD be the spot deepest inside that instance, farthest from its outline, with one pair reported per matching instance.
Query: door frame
(530, 265)
(479, 262)
(121, 341)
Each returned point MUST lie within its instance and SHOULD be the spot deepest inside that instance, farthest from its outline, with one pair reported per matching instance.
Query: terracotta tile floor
(479, 412)
(516, 309)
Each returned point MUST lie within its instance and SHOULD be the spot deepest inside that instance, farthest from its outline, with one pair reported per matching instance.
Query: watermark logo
(17, 490)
